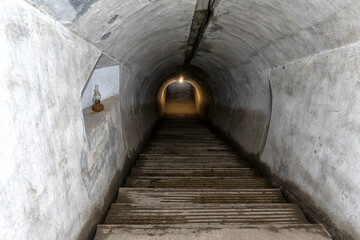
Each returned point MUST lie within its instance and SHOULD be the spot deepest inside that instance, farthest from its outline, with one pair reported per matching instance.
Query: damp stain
(105, 36)
(113, 19)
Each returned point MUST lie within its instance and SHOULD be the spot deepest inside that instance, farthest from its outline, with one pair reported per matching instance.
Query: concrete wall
(242, 111)
(241, 56)
(108, 80)
(140, 111)
(60, 168)
(314, 137)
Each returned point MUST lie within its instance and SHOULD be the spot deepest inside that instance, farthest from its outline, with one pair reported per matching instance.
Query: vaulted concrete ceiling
(241, 32)
(152, 36)
(232, 44)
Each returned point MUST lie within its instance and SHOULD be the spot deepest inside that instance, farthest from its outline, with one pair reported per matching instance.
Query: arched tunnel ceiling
(151, 36)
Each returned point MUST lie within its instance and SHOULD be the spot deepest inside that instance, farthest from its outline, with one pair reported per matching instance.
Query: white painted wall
(54, 179)
(108, 80)
(44, 67)
(314, 137)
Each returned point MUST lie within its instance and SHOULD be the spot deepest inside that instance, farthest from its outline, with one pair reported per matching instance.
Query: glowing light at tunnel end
(181, 79)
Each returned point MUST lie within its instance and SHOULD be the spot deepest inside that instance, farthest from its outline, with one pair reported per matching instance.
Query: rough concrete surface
(274, 233)
(53, 177)
(43, 69)
(294, 63)
(315, 131)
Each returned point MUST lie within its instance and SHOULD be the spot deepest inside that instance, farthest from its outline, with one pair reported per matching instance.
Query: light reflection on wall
(201, 99)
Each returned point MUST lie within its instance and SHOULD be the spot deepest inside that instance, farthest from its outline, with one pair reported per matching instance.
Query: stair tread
(197, 182)
(189, 165)
(187, 177)
(207, 213)
(216, 226)
(278, 231)
(186, 171)
(199, 190)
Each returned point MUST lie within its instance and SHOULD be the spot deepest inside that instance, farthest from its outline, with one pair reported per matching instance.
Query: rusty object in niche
(97, 106)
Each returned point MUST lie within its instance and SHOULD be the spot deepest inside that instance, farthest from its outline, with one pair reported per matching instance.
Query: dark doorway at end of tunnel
(180, 99)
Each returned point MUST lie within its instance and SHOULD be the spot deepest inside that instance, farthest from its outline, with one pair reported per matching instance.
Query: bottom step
(299, 232)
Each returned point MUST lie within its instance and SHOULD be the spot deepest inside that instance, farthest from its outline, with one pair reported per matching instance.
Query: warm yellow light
(181, 79)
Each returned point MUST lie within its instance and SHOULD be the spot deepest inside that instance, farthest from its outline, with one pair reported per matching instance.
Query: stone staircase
(189, 184)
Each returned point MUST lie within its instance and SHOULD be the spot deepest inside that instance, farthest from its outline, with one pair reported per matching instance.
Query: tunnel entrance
(184, 95)
(180, 99)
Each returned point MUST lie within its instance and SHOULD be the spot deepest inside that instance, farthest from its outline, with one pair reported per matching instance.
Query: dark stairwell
(189, 183)
(279, 80)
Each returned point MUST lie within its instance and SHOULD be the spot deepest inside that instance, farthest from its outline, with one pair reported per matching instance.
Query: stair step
(187, 149)
(192, 147)
(239, 172)
(196, 182)
(206, 213)
(216, 232)
(190, 165)
(185, 136)
(188, 183)
(189, 156)
(190, 151)
(219, 154)
(185, 130)
(175, 142)
(151, 196)
(192, 160)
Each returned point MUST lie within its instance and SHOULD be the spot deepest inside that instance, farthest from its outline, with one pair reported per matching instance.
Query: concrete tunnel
(279, 79)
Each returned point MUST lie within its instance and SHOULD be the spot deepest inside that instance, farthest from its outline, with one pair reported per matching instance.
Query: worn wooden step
(206, 213)
(186, 144)
(190, 180)
(192, 160)
(239, 172)
(181, 129)
(176, 142)
(185, 136)
(190, 151)
(189, 156)
(170, 165)
(182, 125)
(187, 148)
(187, 133)
(207, 153)
(185, 139)
(185, 130)
(196, 182)
(168, 196)
(216, 232)
(186, 165)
